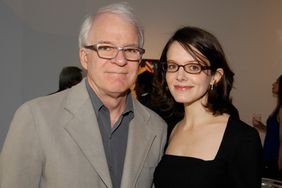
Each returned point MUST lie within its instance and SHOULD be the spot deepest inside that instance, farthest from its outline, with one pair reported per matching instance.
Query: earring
(211, 86)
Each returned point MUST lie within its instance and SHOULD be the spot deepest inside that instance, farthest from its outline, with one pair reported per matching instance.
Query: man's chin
(119, 93)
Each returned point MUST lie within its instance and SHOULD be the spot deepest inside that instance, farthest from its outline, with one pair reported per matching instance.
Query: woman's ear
(83, 58)
(217, 76)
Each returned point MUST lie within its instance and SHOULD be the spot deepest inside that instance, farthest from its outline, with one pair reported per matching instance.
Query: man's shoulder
(149, 115)
(141, 108)
(52, 99)
(57, 99)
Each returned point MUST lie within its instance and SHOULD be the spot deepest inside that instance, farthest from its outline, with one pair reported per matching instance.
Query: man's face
(110, 77)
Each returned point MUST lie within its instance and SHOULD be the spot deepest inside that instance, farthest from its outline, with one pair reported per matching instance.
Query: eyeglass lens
(192, 68)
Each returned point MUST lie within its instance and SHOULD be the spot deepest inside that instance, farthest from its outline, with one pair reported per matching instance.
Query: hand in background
(258, 125)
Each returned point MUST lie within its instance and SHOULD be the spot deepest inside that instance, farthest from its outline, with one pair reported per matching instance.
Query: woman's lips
(182, 88)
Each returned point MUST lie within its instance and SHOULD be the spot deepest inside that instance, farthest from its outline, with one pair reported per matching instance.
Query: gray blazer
(55, 142)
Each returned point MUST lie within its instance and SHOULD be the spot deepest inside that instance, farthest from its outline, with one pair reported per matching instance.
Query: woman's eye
(171, 66)
(195, 67)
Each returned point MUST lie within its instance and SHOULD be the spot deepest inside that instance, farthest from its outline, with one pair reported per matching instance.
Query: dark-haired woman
(208, 147)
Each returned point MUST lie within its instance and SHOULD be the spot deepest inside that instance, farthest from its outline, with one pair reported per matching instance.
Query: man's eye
(106, 48)
(132, 50)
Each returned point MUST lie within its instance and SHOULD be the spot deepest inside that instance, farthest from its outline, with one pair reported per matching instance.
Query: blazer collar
(140, 138)
(83, 128)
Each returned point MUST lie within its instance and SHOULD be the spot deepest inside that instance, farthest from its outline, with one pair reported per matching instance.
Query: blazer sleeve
(21, 156)
(246, 164)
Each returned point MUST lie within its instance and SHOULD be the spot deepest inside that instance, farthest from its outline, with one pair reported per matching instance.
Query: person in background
(69, 76)
(143, 88)
(208, 147)
(95, 134)
(273, 135)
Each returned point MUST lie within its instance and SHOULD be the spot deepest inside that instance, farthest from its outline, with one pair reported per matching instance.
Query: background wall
(38, 38)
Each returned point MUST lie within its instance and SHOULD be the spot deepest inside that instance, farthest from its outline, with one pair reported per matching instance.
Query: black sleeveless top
(238, 163)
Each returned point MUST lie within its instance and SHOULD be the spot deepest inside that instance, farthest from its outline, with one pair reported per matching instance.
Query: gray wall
(38, 38)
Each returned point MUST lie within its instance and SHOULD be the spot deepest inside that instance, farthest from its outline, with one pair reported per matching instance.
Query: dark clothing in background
(271, 148)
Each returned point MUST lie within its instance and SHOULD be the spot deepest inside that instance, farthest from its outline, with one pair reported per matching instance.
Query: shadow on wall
(11, 67)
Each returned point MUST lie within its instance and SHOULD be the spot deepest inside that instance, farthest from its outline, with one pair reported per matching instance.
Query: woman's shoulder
(239, 129)
(239, 136)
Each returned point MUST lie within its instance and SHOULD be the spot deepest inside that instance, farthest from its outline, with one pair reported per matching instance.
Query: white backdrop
(38, 38)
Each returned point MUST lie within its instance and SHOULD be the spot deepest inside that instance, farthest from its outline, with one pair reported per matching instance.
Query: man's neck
(115, 105)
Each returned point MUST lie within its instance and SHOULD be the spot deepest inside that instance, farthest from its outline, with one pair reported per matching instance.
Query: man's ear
(83, 56)
(217, 76)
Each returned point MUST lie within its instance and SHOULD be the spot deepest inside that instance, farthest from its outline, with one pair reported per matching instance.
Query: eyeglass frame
(95, 47)
(202, 67)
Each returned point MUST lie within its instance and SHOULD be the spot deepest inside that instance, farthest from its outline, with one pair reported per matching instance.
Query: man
(95, 134)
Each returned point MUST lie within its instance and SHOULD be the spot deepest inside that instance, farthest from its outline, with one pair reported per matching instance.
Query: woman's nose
(181, 74)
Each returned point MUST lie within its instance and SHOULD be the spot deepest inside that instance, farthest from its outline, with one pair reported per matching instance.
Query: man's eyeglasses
(192, 68)
(108, 51)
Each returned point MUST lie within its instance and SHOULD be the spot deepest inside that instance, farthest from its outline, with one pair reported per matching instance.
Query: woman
(272, 148)
(208, 147)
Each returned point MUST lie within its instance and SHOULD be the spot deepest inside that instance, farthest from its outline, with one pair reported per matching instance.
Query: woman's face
(185, 87)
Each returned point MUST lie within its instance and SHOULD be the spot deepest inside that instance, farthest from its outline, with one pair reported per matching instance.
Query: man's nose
(120, 58)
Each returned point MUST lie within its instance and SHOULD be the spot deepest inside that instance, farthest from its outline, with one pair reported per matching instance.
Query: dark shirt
(271, 141)
(271, 148)
(114, 138)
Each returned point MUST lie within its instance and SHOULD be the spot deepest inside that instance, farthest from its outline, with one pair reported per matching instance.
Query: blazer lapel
(83, 128)
(140, 139)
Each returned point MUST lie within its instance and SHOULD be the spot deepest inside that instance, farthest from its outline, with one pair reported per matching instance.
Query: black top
(238, 163)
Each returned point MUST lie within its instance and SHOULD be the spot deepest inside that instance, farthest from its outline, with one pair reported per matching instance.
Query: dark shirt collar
(98, 104)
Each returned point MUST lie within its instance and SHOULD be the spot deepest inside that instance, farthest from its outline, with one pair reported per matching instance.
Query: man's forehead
(108, 26)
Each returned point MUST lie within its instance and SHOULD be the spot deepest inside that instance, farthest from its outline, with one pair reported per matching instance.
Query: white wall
(38, 38)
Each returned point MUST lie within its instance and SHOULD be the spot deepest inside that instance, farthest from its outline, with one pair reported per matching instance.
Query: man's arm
(21, 156)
